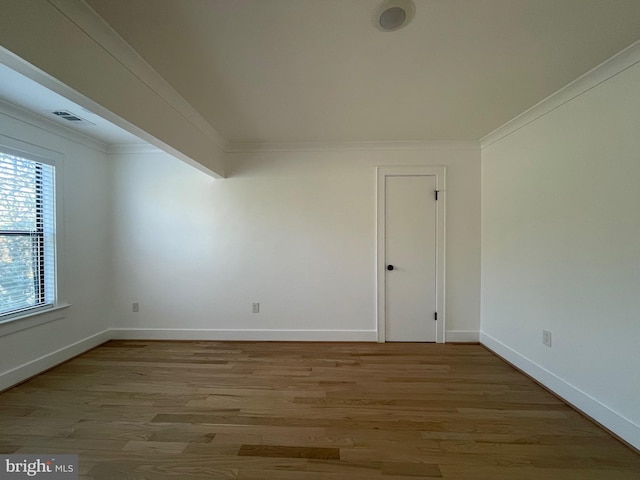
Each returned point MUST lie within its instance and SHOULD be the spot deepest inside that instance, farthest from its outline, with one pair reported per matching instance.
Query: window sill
(34, 319)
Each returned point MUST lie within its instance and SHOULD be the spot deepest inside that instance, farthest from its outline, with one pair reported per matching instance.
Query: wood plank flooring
(289, 411)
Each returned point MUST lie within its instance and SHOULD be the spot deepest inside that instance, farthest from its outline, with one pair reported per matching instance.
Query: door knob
(389, 267)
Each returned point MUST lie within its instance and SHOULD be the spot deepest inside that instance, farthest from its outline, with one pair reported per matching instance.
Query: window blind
(27, 235)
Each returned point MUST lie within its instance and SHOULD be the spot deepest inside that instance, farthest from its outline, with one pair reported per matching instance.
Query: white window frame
(32, 317)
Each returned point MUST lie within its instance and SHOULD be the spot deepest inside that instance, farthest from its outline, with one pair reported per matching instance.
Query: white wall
(85, 274)
(561, 250)
(295, 231)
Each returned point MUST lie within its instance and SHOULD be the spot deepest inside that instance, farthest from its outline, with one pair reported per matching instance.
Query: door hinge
(435, 316)
(436, 192)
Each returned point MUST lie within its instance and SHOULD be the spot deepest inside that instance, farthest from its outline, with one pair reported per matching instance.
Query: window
(27, 235)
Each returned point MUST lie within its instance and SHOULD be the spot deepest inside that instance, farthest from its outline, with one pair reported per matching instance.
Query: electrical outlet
(546, 338)
(255, 307)
(135, 307)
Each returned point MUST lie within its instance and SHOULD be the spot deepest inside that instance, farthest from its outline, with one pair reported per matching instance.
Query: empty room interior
(320, 239)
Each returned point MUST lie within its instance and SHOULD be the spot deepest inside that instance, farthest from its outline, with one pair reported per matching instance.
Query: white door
(411, 221)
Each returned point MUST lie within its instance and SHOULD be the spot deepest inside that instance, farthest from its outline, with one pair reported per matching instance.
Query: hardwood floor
(288, 411)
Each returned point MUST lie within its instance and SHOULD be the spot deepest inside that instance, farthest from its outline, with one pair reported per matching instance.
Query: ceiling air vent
(71, 117)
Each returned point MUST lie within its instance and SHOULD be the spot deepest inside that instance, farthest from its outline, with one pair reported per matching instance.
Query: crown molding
(25, 116)
(132, 149)
(253, 147)
(608, 69)
(86, 19)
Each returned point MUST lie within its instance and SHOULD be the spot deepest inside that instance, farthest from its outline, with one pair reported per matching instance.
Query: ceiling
(23, 92)
(319, 71)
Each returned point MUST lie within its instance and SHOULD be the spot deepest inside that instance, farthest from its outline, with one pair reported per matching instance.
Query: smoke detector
(72, 117)
(392, 15)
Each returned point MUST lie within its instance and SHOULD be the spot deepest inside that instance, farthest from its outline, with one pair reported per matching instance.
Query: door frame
(410, 170)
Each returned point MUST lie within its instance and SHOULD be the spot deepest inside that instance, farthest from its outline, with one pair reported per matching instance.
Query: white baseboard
(616, 423)
(462, 336)
(244, 335)
(23, 372)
